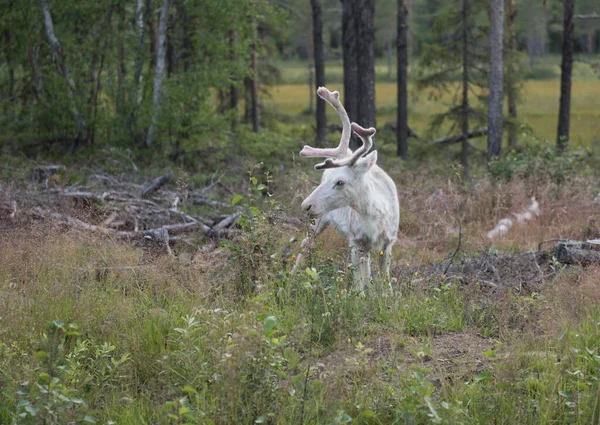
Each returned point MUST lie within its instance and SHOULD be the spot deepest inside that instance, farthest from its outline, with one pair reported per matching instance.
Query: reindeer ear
(367, 162)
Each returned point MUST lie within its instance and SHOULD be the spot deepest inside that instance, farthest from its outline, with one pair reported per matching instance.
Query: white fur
(365, 208)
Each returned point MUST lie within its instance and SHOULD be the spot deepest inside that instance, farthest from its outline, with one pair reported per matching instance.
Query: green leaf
(343, 418)
(270, 324)
(236, 199)
(32, 410)
(41, 355)
(484, 376)
(260, 420)
(260, 187)
(254, 181)
(23, 402)
(89, 419)
(44, 378)
(189, 390)
(489, 353)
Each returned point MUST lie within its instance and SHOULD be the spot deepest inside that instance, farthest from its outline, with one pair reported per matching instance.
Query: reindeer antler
(333, 98)
(366, 135)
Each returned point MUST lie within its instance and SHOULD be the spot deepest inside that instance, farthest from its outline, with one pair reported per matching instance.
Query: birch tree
(62, 70)
(160, 70)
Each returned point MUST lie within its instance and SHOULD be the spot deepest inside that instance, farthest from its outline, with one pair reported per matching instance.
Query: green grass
(92, 332)
(538, 109)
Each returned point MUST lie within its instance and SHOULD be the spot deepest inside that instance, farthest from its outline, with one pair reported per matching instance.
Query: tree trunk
(62, 70)
(137, 92)
(254, 83)
(566, 67)
(511, 77)
(364, 18)
(465, 88)
(151, 22)
(350, 54)
(171, 54)
(121, 64)
(10, 65)
(402, 58)
(160, 70)
(96, 75)
(495, 110)
(311, 75)
(319, 56)
(36, 75)
(233, 91)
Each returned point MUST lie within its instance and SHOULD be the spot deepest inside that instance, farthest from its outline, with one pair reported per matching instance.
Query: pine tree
(455, 60)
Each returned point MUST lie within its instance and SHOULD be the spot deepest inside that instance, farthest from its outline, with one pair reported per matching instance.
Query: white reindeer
(355, 196)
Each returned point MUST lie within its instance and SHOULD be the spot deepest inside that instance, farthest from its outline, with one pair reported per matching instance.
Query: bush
(540, 161)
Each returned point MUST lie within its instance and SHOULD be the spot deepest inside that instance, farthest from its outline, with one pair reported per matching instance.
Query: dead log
(478, 132)
(572, 255)
(156, 184)
(227, 222)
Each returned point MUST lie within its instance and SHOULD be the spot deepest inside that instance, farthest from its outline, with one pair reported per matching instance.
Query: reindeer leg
(361, 260)
(387, 260)
(308, 241)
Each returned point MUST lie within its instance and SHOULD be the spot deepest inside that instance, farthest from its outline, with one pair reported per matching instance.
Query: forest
(172, 253)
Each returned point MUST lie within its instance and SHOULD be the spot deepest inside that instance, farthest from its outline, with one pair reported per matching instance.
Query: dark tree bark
(254, 83)
(510, 83)
(233, 91)
(349, 53)
(402, 58)
(365, 24)
(311, 75)
(96, 74)
(358, 35)
(160, 70)
(10, 65)
(36, 75)
(465, 88)
(495, 109)
(171, 53)
(319, 56)
(151, 22)
(121, 70)
(62, 70)
(566, 67)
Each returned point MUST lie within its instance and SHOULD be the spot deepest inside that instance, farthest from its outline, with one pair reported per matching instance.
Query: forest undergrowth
(93, 330)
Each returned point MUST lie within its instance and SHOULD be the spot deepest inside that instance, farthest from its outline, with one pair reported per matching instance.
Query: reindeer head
(343, 183)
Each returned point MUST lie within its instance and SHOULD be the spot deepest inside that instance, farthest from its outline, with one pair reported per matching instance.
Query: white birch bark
(62, 70)
(160, 69)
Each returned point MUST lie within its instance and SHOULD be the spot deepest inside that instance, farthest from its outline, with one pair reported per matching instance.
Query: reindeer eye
(340, 183)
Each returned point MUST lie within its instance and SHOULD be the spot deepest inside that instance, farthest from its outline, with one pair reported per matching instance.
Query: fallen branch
(227, 222)
(157, 183)
(457, 248)
(592, 15)
(458, 137)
